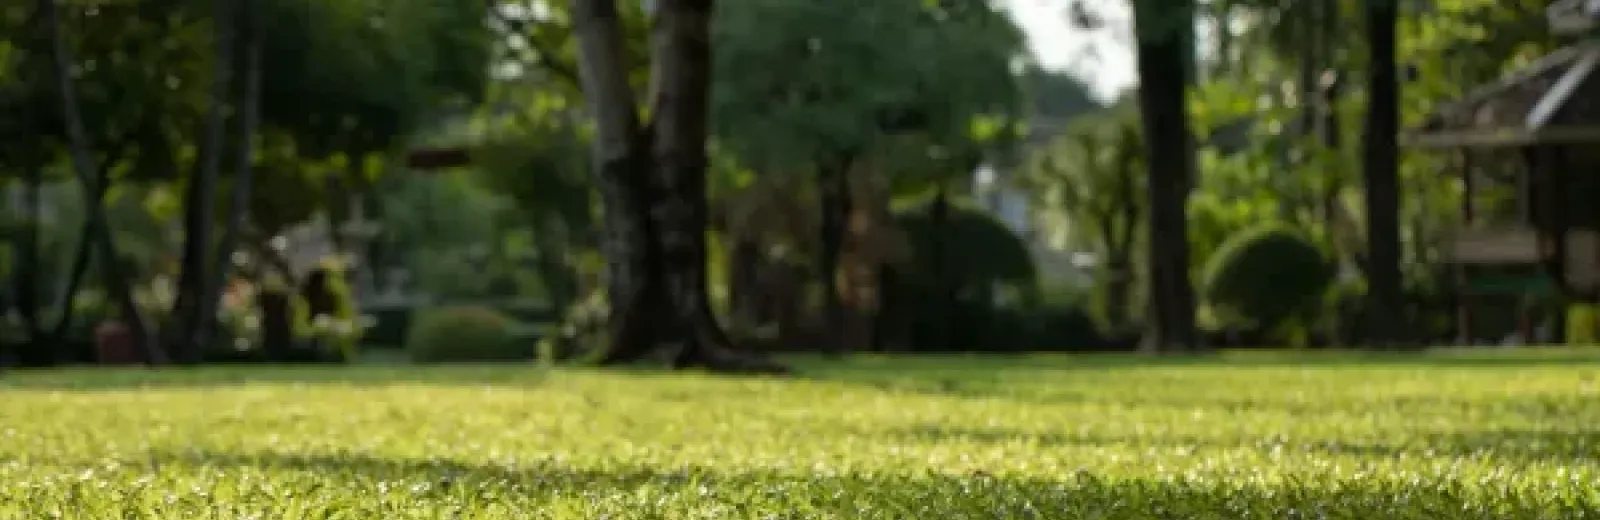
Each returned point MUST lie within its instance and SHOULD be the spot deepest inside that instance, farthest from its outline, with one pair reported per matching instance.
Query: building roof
(1554, 100)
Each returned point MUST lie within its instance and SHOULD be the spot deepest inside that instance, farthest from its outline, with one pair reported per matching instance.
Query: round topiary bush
(1265, 275)
(463, 334)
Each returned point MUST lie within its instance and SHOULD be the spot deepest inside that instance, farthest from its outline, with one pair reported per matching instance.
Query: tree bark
(1382, 177)
(681, 103)
(250, 21)
(652, 180)
(83, 165)
(621, 164)
(834, 201)
(1163, 63)
(199, 209)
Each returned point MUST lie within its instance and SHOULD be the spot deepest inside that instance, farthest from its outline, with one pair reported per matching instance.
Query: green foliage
(337, 333)
(1267, 274)
(945, 280)
(856, 73)
(463, 333)
(1465, 435)
(1005, 257)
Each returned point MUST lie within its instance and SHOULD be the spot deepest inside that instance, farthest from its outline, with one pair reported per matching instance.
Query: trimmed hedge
(466, 333)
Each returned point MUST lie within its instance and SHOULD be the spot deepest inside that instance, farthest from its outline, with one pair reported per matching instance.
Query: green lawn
(1461, 436)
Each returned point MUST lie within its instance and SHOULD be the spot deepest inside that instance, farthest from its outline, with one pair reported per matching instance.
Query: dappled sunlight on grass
(984, 437)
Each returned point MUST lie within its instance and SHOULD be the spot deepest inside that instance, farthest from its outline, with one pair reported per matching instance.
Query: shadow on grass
(1475, 357)
(109, 379)
(1516, 447)
(635, 490)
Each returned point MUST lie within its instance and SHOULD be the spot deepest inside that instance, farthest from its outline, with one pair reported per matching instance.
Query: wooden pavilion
(1529, 159)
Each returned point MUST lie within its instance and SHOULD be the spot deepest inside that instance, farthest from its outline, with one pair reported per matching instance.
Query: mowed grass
(1459, 436)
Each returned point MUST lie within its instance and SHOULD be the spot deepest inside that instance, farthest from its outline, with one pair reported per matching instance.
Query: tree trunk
(81, 255)
(250, 21)
(833, 198)
(681, 104)
(83, 165)
(652, 181)
(1163, 61)
(182, 332)
(25, 283)
(1381, 176)
(744, 265)
(621, 164)
(944, 285)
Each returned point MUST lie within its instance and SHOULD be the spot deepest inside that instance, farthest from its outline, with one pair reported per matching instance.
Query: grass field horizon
(1452, 434)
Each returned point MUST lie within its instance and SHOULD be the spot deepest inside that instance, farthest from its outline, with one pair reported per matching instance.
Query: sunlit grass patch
(1480, 435)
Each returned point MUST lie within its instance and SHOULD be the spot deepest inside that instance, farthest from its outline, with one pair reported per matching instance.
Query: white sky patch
(1100, 56)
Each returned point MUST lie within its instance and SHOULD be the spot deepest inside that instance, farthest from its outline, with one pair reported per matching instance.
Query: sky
(1092, 55)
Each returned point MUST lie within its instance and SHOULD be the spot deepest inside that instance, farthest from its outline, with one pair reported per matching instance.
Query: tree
(1165, 60)
(84, 166)
(1380, 170)
(861, 78)
(187, 321)
(652, 178)
(1092, 178)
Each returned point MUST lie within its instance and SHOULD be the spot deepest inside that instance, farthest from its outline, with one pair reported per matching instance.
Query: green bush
(953, 305)
(464, 333)
(1265, 275)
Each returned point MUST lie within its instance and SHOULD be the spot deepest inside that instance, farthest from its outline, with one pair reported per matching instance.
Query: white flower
(321, 322)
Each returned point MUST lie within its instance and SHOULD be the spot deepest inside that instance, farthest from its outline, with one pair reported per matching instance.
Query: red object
(113, 343)
(438, 158)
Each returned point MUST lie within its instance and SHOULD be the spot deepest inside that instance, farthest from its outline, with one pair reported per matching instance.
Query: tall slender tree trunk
(1164, 62)
(82, 253)
(944, 286)
(37, 351)
(834, 201)
(1380, 170)
(117, 280)
(182, 333)
(250, 21)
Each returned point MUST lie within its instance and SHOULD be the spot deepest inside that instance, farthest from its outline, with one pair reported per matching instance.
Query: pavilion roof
(1554, 100)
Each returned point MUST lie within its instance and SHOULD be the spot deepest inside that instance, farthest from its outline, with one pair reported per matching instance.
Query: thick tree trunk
(681, 103)
(1163, 62)
(250, 21)
(116, 279)
(621, 164)
(1382, 179)
(652, 181)
(183, 329)
(833, 197)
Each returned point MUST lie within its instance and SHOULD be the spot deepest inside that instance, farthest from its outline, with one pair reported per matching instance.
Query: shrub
(1266, 275)
(336, 327)
(960, 295)
(464, 333)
